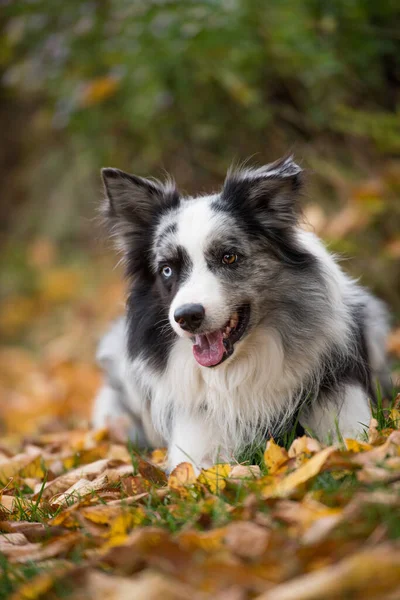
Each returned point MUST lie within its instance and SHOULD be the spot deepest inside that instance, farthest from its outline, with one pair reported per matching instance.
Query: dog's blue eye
(166, 272)
(229, 258)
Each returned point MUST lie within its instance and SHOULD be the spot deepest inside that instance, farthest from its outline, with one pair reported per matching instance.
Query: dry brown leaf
(80, 489)
(146, 586)
(9, 540)
(304, 445)
(239, 472)
(7, 502)
(151, 472)
(247, 539)
(33, 532)
(373, 433)
(390, 448)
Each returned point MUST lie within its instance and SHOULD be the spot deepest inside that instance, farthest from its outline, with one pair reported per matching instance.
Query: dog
(238, 321)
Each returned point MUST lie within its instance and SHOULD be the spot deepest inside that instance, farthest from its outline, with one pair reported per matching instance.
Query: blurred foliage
(188, 86)
(210, 76)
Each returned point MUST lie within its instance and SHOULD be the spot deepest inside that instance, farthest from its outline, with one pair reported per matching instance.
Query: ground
(83, 515)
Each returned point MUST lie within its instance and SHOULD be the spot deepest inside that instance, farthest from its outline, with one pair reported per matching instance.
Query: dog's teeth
(233, 323)
(224, 335)
(228, 329)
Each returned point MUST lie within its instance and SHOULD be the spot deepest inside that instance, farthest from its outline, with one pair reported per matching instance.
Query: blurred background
(186, 87)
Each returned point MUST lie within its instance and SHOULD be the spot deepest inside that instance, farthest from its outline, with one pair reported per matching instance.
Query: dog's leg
(345, 412)
(110, 411)
(192, 441)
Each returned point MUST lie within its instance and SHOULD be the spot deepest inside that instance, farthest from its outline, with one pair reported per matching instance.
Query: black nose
(189, 316)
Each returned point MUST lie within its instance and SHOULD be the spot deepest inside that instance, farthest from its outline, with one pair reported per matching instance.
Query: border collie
(238, 321)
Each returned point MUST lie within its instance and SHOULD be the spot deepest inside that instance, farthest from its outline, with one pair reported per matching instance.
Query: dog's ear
(130, 197)
(271, 191)
(131, 202)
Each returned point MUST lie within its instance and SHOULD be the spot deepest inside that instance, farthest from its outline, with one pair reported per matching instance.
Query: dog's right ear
(130, 203)
(130, 197)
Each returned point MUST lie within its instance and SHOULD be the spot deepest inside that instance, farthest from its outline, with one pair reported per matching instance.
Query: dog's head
(217, 262)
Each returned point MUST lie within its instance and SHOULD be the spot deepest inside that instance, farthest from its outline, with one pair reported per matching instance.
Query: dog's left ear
(271, 191)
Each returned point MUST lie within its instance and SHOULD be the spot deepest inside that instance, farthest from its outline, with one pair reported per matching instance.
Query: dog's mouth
(211, 349)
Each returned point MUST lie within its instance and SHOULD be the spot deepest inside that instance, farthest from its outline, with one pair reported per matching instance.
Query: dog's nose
(189, 316)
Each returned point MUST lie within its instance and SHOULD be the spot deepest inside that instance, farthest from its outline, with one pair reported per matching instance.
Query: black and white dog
(238, 321)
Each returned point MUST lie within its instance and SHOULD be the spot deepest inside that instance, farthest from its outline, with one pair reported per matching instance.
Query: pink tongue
(209, 349)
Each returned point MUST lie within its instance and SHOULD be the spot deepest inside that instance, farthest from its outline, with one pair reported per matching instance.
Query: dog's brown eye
(229, 258)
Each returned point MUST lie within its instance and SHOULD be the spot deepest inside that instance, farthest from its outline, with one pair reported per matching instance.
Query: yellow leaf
(304, 473)
(395, 416)
(158, 456)
(24, 465)
(214, 478)
(86, 456)
(181, 476)
(126, 520)
(209, 541)
(356, 445)
(274, 457)
(119, 518)
(99, 89)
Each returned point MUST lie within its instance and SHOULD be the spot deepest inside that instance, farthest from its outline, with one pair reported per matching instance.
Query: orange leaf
(181, 476)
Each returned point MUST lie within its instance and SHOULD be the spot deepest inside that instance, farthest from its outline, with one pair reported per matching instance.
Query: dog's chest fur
(254, 393)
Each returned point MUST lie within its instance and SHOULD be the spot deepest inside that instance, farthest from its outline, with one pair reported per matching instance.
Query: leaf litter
(311, 521)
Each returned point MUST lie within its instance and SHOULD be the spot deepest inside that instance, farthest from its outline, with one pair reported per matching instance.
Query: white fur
(349, 415)
(195, 222)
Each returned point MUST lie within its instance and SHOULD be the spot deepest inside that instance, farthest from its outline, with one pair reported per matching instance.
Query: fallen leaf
(215, 477)
(209, 541)
(146, 586)
(356, 445)
(304, 445)
(304, 473)
(247, 539)
(274, 457)
(182, 476)
(37, 552)
(376, 570)
(24, 465)
(239, 472)
(373, 433)
(151, 472)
